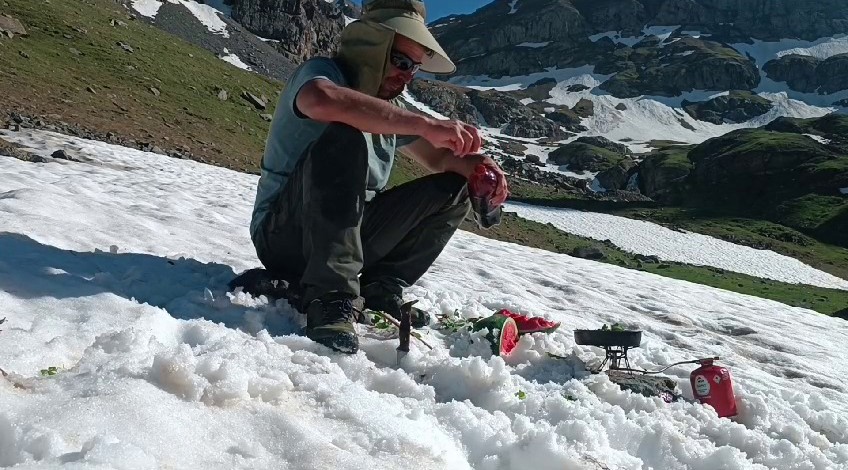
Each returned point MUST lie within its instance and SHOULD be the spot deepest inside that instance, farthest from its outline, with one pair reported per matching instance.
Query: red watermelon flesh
(509, 337)
(527, 324)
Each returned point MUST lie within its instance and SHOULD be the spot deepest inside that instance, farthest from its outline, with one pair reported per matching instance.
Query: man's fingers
(467, 141)
(477, 142)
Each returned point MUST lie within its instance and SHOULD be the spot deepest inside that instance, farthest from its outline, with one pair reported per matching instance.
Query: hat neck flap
(364, 51)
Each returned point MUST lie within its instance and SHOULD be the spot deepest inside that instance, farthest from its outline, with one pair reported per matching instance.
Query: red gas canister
(712, 386)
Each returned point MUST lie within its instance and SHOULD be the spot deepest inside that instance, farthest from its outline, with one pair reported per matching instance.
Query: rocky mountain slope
(523, 36)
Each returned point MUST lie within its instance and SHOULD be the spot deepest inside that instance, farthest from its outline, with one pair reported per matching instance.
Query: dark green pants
(323, 235)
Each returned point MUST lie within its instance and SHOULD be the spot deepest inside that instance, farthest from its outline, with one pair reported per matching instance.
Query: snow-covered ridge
(205, 13)
(146, 339)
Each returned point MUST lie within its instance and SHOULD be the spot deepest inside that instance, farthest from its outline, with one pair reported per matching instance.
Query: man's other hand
(460, 138)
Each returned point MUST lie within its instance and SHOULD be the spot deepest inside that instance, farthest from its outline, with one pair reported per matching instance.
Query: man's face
(406, 54)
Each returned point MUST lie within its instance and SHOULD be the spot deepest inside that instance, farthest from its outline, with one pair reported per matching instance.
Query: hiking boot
(392, 304)
(330, 319)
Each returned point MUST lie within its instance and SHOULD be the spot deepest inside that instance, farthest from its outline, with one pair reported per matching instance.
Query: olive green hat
(407, 18)
(366, 44)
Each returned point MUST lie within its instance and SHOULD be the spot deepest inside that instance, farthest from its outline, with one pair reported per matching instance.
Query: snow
(205, 13)
(652, 117)
(534, 44)
(821, 49)
(512, 7)
(763, 51)
(662, 32)
(508, 83)
(843, 190)
(646, 238)
(221, 6)
(685, 53)
(694, 34)
(234, 59)
(147, 8)
(114, 271)
(526, 101)
(818, 138)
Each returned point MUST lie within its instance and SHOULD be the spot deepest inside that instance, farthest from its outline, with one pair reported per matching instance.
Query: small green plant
(521, 395)
(616, 327)
(455, 323)
(52, 370)
(381, 323)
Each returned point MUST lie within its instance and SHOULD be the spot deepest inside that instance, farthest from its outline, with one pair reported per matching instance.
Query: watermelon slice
(530, 325)
(503, 333)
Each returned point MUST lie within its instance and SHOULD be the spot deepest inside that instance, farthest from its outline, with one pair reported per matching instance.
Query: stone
(11, 26)
(254, 100)
(588, 252)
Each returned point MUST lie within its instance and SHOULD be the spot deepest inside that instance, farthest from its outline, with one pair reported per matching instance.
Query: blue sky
(439, 8)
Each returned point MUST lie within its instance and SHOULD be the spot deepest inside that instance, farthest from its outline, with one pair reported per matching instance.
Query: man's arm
(440, 160)
(323, 100)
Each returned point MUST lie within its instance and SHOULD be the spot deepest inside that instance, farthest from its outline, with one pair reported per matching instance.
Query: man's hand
(460, 138)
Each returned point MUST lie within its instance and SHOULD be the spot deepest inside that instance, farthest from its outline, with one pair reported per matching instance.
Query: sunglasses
(404, 63)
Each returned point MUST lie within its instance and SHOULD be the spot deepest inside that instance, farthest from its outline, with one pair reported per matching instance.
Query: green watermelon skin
(507, 333)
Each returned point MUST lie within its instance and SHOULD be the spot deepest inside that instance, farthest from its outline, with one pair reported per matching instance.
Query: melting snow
(637, 236)
(234, 59)
(818, 138)
(512, 7)
(662, 32)
(143, 349)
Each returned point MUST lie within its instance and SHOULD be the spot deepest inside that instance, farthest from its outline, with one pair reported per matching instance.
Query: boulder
(738, 106)
(11, 27)
(617, 176)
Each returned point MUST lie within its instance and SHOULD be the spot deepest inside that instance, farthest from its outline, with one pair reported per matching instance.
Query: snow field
(638, 236)
(159, 366)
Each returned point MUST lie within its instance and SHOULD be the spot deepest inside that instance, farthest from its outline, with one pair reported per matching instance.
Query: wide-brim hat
(408, 18)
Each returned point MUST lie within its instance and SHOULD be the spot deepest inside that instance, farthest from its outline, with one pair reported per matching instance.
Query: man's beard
(389, 91)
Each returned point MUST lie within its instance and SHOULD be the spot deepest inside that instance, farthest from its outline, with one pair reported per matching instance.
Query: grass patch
(516, 230)
(76, 71)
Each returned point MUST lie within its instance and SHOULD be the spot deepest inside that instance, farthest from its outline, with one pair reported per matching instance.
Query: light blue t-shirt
(291, 133)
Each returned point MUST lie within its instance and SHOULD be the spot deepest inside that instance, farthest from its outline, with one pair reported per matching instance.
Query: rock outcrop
(809, 74)
(490, 108)
(305, 28)
(737, 106)
(589, 154)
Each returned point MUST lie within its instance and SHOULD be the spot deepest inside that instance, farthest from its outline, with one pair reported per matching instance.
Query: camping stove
(616, 344)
